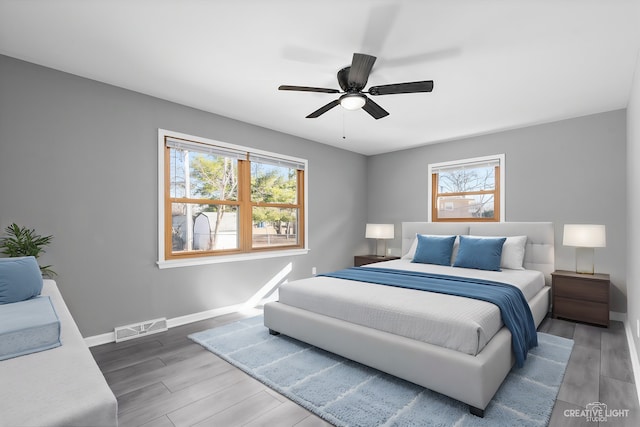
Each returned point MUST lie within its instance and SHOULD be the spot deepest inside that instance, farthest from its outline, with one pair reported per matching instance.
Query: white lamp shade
(585, 235)
(352, 101)
(380, 231)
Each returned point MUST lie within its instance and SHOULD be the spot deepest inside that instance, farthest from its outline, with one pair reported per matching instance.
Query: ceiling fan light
(352, 101)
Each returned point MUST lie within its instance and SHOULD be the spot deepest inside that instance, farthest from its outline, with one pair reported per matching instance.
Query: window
(467, 190)
(223, 200)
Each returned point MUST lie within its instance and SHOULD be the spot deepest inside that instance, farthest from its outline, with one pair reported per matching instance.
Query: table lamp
(585, 237)
(381, 232)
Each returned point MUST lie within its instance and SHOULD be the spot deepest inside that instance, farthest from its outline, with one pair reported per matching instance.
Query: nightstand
(581, 297)
(360, 260)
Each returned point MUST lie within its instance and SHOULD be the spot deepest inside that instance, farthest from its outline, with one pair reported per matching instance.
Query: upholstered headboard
(539, 253)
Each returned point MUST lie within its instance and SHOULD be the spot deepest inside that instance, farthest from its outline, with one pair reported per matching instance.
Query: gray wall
(78, 159)
(572, 171)
(633, 213)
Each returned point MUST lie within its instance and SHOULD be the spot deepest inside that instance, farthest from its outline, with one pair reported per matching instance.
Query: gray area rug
(346, 393)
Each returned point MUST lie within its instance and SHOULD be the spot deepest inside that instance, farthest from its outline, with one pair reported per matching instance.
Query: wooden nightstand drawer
(569, 287)
(585, 311)
(581, 297)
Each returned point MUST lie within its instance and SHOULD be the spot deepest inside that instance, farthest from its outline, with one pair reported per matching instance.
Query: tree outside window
(223, 201)
(466, 190)
(274, 193)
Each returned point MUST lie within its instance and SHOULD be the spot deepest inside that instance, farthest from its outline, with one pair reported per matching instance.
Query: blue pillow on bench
(20, 279)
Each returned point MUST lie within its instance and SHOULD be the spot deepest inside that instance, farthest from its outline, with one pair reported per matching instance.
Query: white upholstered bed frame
(470, 379)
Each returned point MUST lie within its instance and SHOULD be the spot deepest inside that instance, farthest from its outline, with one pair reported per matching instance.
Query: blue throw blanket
(515, 311)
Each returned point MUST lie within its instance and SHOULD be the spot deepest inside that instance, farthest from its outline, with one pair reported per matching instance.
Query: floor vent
(136, 330)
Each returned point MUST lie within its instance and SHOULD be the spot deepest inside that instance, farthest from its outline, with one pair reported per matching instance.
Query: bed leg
(476, 411)
(272, 332)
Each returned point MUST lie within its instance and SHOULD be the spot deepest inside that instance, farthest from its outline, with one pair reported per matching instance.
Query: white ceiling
(496, 64)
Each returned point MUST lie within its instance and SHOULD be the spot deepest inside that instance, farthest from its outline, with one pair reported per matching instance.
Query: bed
(450, 344)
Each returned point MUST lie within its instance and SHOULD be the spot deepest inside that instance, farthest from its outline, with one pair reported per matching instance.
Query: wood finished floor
(167, 380)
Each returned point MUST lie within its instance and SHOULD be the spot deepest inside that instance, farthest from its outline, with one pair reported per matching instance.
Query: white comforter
(457, 323)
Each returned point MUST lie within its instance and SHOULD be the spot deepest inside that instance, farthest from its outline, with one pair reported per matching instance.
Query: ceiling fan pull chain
(343, 126)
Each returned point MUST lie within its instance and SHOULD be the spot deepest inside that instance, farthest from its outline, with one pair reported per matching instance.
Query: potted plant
(21, 241)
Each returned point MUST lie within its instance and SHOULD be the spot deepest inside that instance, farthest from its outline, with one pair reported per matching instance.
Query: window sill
(228, 258)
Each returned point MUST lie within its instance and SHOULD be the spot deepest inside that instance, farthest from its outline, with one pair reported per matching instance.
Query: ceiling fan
(352, 80)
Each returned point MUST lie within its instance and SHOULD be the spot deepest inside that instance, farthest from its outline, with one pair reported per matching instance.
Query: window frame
(245, 251)
(499, 192)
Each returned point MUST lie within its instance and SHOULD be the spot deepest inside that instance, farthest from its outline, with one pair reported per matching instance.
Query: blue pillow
(480, 253)
(20, 279)
(434, 249)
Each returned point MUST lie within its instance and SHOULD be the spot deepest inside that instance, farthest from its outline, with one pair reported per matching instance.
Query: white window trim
(503, 173)
(164, 263)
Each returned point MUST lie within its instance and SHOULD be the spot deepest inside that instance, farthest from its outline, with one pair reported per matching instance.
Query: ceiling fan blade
(308, 89)
(323, 110)
(376, 111)
(380, 22)
(412, 87)
(361, 66)
(343, 78)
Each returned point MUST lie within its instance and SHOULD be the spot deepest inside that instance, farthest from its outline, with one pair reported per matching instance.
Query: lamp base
(584, 260)
(381, 243)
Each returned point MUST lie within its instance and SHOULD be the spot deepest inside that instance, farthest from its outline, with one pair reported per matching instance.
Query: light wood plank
(186, 377)
(561, 328)
(620, 395)
(580, 385)
(215, 403)
(141, 397)
(151, 376)
(616, 360)
(243, 412)
(129, 355)
(163, 421)
(287, 414)
(560, 418)
(313, 421)
(587, 336)
(174, 401)
(132, 371)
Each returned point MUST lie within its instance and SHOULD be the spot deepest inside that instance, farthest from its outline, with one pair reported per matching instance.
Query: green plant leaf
(22, 241)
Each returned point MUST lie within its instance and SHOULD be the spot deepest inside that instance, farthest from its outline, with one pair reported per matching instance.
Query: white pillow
(412, 250)
(512, 251)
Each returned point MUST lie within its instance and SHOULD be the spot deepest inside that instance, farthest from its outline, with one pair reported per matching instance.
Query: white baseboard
(172, 323)
(203, 315)
(620, 317)
(100, 339)
(635, 363)
(633, 354)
